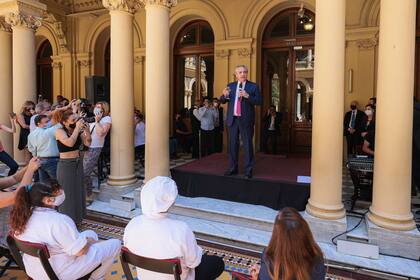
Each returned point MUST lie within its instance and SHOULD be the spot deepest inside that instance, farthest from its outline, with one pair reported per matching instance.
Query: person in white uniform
(73, 254)
(154, 235)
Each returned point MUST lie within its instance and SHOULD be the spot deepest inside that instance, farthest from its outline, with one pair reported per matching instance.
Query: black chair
(17, 247)
(10, 261)
(166, 266)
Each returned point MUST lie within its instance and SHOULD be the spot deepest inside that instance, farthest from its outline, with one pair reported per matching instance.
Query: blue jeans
(48, 168)
(10, 162)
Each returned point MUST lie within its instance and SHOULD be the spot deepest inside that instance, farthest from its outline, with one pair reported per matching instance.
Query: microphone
(240, 88)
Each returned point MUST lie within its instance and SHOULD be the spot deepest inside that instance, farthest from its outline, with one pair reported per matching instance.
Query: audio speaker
(97, 89)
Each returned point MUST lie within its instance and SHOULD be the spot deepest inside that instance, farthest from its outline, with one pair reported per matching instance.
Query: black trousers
(270, 136)
(10, 162)
(353, 140)
(210, 268)
(196, 144)
(207, 142)
(218, 140)
(246, 131)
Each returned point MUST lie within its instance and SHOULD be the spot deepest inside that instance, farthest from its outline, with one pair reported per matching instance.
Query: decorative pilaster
(326, 168)
(157, 86)
(57, 66)
(6, 90)
(122, 91)
(391, 201)
(24, 18)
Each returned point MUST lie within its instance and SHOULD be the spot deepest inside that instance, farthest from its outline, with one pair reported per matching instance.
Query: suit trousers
(246, 132)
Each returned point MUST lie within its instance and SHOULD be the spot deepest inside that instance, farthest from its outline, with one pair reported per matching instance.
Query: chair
(10, 262)
(166, 266)
(35, 250)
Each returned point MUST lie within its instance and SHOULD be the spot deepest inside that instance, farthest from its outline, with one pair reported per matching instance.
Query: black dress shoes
(231, 172)
(248, 175)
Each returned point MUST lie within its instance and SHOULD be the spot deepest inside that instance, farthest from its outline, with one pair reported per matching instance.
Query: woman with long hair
(73, 254)
(70, 137)
(24, 121)
(4, 156)
(292, 253)
(99, 130)
(369, 122)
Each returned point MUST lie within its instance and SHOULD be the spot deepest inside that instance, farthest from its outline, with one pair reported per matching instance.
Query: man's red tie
(238, 102)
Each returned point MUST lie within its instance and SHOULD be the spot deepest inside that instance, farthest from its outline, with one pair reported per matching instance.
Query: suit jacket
(277, 121)
(360, 120)
(247, 104)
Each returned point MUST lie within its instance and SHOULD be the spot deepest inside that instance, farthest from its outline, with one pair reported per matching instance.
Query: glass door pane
(304, 79)
(206, 76)
(187, 81)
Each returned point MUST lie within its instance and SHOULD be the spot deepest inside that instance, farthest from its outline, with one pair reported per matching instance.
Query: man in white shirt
(208, 117)
(154, 235)
(42, 144)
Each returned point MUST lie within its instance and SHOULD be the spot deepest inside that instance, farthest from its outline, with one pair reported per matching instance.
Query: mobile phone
(12, 115)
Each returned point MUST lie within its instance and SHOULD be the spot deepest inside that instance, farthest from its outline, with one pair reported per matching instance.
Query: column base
(325, 213)
(397, 243)
(404, 224)
(108, 192)
(324, 230)
(121, 180)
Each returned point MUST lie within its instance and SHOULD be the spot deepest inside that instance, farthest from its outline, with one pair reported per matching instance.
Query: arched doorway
(44, 75)
(287, 79)
(193, 64)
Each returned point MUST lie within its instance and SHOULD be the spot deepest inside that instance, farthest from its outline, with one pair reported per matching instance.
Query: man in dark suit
(242, 97)
(218, 127)
(195, 127)
(271, 129)
(352, 125)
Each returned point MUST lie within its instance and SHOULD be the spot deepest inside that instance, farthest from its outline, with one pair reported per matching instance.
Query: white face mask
(368, 112)
(97, 111)
(59, 199)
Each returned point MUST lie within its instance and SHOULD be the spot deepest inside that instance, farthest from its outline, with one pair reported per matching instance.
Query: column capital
(129, 6)
(166, 3)
(23, 20)
(4, 26)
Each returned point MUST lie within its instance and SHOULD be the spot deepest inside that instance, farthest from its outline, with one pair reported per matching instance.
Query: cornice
(16, 19)
(166, 3)
(129, 6)
(4, 26)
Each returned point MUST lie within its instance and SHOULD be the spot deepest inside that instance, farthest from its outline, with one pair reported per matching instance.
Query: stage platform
(274, 183)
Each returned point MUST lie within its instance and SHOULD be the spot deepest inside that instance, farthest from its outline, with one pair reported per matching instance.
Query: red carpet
(267, 167)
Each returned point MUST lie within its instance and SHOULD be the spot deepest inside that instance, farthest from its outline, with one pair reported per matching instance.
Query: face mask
(353, 107)
(73, 125)
(58, 200)
(368, 112)
(97, 111)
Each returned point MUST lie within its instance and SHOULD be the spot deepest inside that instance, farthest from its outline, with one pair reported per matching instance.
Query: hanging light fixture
(305, 19)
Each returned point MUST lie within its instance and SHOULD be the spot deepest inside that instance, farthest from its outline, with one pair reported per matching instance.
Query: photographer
(74, 132)
(207, 116)
(4, 156)
(98, 130)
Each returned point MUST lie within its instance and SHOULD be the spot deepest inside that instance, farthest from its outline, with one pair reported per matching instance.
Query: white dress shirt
(237, 96)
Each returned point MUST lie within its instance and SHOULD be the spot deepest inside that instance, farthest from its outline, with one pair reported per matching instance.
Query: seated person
(369, 143)
(34, 219)
(154, 235)
(292, 252)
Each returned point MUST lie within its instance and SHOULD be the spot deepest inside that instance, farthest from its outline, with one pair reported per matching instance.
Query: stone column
(6, 97)
(157, 87)
(392, 172)
(24, 64)
(327, 128)
(122, 92)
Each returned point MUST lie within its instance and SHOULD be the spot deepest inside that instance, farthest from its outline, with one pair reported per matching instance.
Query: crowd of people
(199, 130)
(359, 129)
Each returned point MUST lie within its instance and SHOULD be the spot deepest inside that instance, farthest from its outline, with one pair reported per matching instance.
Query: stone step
(360, 233)
(229, 234)
(231, 213)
